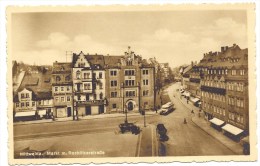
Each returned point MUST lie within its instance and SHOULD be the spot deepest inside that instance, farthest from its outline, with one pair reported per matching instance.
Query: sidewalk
(205, 125)
(100, 116)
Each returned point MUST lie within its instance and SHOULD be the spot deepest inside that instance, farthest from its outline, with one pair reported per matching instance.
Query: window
(58, 78)
(101, 96)
(57, 99)
(233, 72)
(145, 72)
(113, 83)
(27, 95)
(242, 72)
(27, 104)
(113, 73)
(62, 88)
(22, 95)
(17, 104)
(22, 104)
(87, 97)
(113, 94)
(129, 72)
(79, 97)
(226, 71)
(100, 75)
(145, 92)
(68, 88)
(87, 86)
(145, 82)
(56, 89)
(67, 78)
(113, 105)
(62, 99)
(130, 93)
(78, 74)
(68, 98)
(95, 96)
(129, 82)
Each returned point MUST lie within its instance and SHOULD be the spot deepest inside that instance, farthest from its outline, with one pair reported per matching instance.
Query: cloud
(167, 45)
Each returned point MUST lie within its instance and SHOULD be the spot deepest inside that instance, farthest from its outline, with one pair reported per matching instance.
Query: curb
(92, 118)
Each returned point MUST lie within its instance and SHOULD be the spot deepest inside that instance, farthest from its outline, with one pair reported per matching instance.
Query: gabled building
(130, 83)
(224, 89)
(89, 84)
(62, 90)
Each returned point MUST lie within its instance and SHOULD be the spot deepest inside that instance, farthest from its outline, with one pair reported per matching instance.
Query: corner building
(88, 84)
(224, 89)
(130, 83)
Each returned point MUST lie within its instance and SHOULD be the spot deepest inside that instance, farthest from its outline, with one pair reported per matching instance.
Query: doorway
(88, 110)
(69, 111)
(130, 106)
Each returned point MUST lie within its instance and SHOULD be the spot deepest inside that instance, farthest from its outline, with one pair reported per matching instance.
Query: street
(103, 135)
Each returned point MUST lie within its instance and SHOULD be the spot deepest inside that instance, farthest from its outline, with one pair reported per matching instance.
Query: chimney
(226, 48)
(222, 49)
(234, 45)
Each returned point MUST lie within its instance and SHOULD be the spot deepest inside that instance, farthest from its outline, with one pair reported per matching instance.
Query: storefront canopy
(26, 113)
(217, 121)
(232, 129)
(194, 100)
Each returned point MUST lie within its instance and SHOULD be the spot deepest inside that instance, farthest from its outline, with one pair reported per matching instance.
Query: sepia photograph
(131, 83)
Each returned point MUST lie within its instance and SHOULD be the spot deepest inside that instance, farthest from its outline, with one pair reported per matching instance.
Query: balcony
(92, 102)
(220, 91)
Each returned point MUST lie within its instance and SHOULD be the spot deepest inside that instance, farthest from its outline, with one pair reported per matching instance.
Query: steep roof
(96, 61)
(112, 61)
(43, 86)
(61, 67)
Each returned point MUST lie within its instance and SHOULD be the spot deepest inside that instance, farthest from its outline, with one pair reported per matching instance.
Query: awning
(217, 121)
(232, 129)
(42, 112)
(26, 113)
(194, 100)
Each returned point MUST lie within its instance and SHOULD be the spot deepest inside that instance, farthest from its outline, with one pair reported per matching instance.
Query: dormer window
(58, 78)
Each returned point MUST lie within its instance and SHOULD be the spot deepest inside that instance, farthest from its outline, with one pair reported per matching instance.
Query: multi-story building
(224, 89)
(34, 98)
(62, 90)
(89, 84)
(130, 83)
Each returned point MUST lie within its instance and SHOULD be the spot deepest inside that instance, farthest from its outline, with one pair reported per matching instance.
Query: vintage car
(124, 127)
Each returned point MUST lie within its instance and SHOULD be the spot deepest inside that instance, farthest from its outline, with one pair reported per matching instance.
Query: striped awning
(25, 113)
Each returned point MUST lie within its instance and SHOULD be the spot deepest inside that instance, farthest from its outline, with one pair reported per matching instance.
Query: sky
(176, 37)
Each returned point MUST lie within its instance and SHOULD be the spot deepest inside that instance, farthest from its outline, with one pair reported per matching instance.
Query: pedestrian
(185, 121)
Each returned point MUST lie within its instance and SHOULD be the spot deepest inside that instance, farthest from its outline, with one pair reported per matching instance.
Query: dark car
(161, 130)
(129, 127)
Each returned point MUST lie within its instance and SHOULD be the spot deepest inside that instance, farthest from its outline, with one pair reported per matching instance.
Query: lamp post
(124, 109)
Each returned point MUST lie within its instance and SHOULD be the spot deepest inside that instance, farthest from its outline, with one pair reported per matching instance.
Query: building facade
(89, 84)
(62, 90)
(224, 89)
(130, 83)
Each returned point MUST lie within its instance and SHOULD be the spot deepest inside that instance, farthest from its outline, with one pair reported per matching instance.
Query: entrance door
(101, 109)
(88, 110)
(69, 111)
(130, 106)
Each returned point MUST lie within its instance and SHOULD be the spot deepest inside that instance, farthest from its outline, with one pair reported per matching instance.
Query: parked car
(124, 127)
(161, 130)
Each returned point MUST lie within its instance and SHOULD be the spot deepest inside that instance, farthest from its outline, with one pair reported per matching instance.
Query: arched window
(101, 96)
(67, 78)
(58, 78)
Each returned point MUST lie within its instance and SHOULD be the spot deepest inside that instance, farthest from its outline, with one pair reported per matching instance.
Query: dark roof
(44, 95)
(216, 59)
(61, 67)
(95, 61)
(112, 61)
(42, 88)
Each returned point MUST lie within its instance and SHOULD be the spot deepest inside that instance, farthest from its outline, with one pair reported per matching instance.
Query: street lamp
(124, 110)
